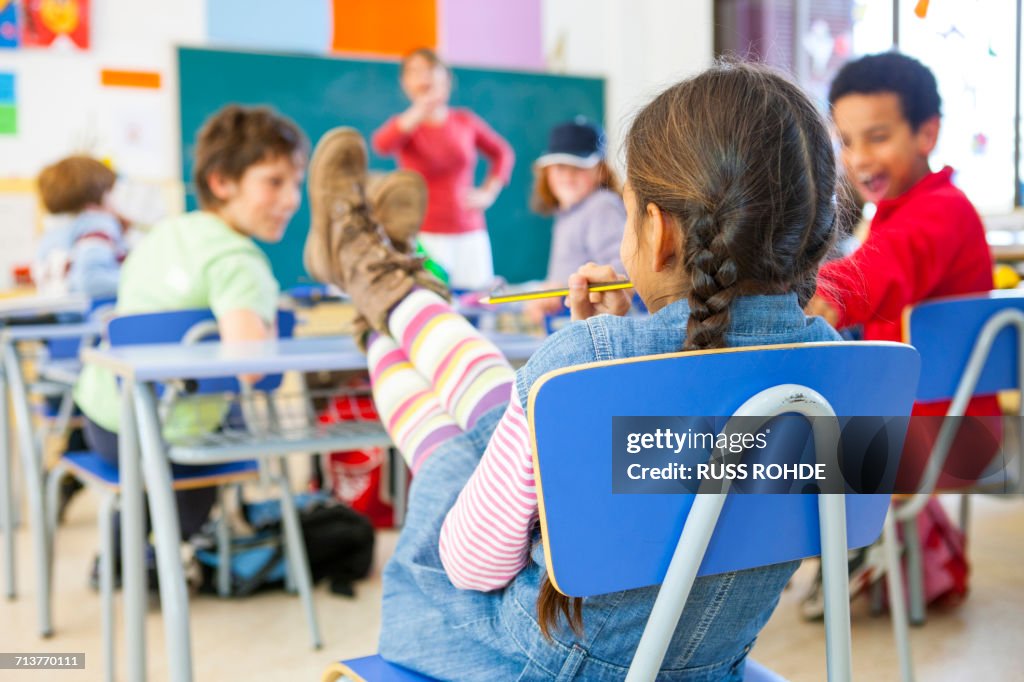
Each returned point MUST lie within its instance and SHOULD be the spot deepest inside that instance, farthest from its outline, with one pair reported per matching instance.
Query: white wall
(639, 46)
(62, 107)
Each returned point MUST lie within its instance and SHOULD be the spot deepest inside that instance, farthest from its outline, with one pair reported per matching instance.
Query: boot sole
(401, 193)
(318, 260)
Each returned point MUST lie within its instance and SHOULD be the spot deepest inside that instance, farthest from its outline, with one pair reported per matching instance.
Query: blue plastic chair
(188, 326)
(590, 535)
(969, 345)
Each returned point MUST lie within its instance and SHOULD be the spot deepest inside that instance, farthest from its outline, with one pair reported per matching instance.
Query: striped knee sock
(408, 407)
(466, 370)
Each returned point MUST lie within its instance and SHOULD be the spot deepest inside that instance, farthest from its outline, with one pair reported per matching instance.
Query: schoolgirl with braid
(730, 211)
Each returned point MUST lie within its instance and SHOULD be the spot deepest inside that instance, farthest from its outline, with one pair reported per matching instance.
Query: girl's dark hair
(543, 200)
(237, 137)
(741, 160)
(423, 53)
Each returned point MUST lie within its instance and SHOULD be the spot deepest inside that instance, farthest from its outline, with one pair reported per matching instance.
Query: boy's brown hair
(73, 184)
(543, 200)
(237, 137)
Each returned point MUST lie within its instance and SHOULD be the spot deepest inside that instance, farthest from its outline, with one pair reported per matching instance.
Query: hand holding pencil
(584, 302)
(593, 290)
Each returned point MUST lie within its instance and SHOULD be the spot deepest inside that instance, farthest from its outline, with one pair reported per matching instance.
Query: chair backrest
(174, 326)
(596, 541)
(64, 349)
(599, 542)
(946, 331)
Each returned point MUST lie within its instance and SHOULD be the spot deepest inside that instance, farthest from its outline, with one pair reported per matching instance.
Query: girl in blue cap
(576, 185)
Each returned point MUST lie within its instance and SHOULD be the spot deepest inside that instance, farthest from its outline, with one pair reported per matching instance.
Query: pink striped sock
(469, 374)
(408, 407)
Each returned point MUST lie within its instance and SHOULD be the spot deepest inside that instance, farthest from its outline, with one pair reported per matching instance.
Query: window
(972, 46)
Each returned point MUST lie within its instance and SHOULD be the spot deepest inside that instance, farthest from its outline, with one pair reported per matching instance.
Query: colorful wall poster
(377, 28)
(8, 105)
(270, 25)
(50, 21)
(8, 23)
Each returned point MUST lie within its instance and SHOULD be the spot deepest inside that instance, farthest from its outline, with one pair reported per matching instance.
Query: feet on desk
(345, 246)
(398, 201)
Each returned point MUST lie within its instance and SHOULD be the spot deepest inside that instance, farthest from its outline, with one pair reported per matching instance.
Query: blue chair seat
(376, 669)
(372, 669)
(755, 672)
(91, 466)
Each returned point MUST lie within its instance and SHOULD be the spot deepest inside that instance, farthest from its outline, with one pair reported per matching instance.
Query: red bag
(943, 558)
(355, 476)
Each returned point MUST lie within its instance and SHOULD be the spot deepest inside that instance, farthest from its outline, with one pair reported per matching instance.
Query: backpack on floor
(339, 544)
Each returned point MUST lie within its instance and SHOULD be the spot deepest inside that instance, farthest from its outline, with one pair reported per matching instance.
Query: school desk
(144, 455)
(13, 384)
(39, 305)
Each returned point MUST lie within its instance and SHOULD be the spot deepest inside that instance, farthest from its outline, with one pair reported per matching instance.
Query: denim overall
(432, 627)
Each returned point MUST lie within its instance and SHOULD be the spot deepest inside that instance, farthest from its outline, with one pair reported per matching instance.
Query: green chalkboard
(320, 93)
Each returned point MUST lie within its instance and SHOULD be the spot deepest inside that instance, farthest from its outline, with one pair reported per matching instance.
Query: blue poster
(8, 23)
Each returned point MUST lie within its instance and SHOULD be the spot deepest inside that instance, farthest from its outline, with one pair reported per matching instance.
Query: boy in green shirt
(249, 169)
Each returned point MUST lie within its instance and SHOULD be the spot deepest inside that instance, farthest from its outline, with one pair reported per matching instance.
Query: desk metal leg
(163, 512)
(33, 473)
(6, 494)
(132, 538)
(400, 479)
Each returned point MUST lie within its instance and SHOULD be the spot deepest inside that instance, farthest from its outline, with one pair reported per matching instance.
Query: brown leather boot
(344, 246)
(337, 175)
(399, 202)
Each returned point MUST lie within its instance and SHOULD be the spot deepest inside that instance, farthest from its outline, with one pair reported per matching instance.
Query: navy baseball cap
(579, 142)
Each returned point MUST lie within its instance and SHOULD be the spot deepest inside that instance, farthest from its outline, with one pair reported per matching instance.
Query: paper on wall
(18, 217)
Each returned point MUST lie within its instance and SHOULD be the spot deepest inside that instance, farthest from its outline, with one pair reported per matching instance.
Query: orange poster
(47, 20)
(392, 28)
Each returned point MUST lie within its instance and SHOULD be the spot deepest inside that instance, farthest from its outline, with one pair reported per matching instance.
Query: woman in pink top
(441, 143)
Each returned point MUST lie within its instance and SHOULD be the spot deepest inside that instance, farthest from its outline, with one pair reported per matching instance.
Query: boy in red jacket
(926, 239)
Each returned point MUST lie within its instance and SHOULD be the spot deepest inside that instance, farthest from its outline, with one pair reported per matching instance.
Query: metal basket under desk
(257, 424)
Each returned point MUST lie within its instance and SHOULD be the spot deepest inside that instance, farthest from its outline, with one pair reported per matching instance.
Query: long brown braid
(740, 160)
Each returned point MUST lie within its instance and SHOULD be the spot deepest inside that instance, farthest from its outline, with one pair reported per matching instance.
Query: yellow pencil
(552, 293)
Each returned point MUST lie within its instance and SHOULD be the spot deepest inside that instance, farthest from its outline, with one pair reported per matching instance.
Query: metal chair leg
(106, 570)
(51, 500)
(965, 513)
(6, 492)
(877, 595)
(897, 600)
(915, 571)
(223, 545)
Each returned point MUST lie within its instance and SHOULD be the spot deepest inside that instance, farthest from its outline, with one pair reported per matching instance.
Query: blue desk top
(37, 306)
(49, 332)
(161, 362)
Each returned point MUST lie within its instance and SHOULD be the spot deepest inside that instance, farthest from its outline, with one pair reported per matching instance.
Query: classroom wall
(62, 106)
(639, 47)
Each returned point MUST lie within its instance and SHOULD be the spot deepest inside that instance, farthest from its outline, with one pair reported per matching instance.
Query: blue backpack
(339, 543)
